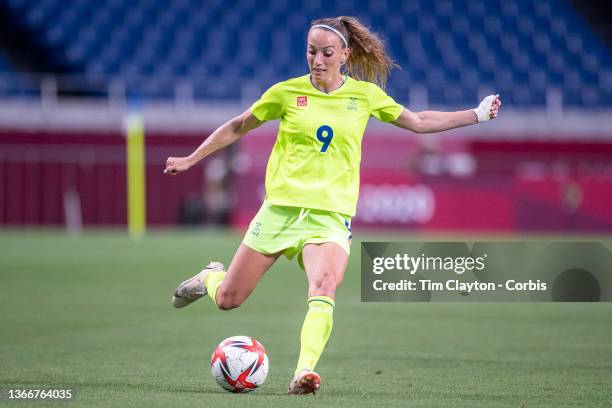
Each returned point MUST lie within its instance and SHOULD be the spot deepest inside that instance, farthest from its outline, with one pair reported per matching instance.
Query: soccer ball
(239, 364)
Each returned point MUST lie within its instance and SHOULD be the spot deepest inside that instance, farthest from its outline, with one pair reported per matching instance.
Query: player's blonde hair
(368, 60)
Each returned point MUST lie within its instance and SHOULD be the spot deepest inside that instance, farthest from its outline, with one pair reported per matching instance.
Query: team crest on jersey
(302, 100)
(352, 105)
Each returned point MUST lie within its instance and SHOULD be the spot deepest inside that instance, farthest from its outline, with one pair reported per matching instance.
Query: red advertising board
(407, 183)
(38, 171)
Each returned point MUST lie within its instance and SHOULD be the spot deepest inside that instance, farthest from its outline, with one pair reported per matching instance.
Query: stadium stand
(456, 49)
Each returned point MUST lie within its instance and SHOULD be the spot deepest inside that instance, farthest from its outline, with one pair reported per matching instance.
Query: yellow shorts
(278, 228)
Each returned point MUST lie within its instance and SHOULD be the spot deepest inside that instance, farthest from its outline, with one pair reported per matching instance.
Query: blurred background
(71, 72)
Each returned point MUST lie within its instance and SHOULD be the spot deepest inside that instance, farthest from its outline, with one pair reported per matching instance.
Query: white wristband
(484, 109)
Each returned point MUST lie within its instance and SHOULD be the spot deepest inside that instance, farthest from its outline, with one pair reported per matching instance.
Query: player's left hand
(495, 107)
(488, 108)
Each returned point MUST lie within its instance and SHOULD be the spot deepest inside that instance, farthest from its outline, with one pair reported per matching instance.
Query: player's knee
(227, 300)
(322, 287)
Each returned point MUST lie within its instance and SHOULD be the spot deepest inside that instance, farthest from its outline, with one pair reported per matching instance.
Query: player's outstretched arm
(223, 136)
(434, 121)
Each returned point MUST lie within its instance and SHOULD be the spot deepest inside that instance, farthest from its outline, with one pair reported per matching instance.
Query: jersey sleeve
(270, 106)
(382, 106)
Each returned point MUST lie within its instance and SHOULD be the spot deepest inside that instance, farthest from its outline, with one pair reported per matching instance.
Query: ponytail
(368, 60)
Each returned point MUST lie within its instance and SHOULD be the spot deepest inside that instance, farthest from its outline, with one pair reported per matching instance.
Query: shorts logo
(256, 229)
(302, 101)
(347, 224)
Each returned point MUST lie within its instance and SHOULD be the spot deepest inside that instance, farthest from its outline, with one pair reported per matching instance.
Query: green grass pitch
(93, 313)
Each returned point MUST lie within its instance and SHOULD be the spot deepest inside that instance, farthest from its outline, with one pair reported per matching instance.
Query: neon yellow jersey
(315, 160)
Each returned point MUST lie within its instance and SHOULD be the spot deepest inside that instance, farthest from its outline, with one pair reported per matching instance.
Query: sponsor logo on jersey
(352, 105)
(302, 101)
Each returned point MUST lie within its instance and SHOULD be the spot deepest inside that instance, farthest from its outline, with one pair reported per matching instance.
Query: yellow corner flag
(134, 131)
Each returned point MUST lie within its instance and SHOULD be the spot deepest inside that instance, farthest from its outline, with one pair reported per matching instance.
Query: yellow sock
(213, 281)
(315, 331)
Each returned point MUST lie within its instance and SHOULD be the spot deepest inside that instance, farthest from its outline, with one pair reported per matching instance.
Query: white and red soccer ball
(239, 364)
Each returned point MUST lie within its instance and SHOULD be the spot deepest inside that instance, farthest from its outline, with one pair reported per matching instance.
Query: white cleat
(195, 287)
(305, 382)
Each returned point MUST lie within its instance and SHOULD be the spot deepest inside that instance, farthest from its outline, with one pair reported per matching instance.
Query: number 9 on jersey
(325, 134)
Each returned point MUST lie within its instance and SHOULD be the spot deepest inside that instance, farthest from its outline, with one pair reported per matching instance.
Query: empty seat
(452, 47)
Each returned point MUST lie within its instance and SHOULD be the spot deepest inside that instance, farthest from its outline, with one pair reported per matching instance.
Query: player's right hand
(176, 165)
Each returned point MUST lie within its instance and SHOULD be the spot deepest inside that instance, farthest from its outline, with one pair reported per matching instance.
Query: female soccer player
(312, 177)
